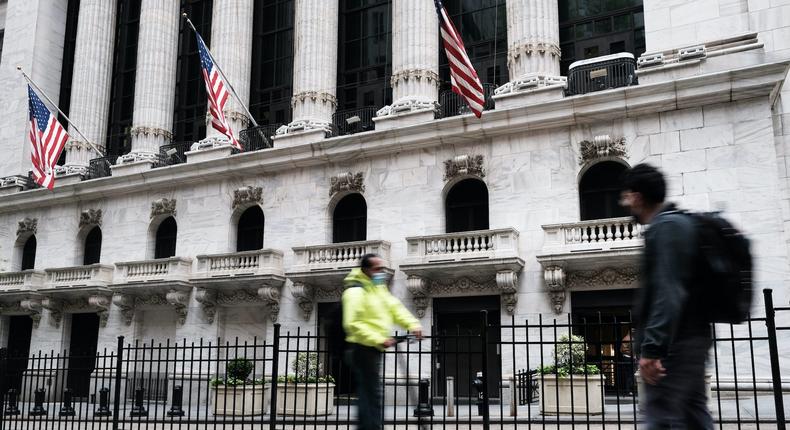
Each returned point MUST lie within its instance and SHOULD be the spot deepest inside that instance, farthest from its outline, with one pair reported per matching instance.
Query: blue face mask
(380, 278)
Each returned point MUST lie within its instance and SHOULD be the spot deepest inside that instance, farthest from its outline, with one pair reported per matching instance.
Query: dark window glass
(599, 191)
(592, 28)
(271, 86)
(67, 67)
(350, 219)
(483, 28)
(189, 118)
(29, 253)
(166, 238)
(466, 206)
(92, 247)
(124, 68)
(2, 36)
(249, 233)
(364, 54)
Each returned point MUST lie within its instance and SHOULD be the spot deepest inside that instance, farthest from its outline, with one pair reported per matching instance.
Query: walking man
(369, 312)
(673, 335)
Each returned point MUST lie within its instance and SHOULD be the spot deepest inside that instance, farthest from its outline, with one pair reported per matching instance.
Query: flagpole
(227, 81)
(30, 80)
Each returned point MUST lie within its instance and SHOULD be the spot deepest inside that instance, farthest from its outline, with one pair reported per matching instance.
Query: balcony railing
(353, 120)
(452, 104)
(602, 73)
(257, 138)
(94, 275)
(173, 153)
(100, 167)
(338, 255)
(480, 244)
(602, 234)
(24, 280)
(162, 269)
(246, 263)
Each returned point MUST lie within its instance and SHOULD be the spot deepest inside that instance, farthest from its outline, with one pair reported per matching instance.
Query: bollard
(13, 403)
(104, 403)
(38, 403)
(67, 410)
(138, 410)
(424, 408)
(449, 394)
(478, 384)
(178, 397)
(513, 396)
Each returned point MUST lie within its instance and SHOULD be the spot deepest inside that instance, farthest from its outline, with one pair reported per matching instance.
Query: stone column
(90, 91)
(315, 72)
(231, 46)
(415, 65)
(155, 86)
(533, 39)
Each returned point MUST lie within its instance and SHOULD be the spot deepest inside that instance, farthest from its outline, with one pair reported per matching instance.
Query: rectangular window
(124, 69)
(271, 84)
(67, 66)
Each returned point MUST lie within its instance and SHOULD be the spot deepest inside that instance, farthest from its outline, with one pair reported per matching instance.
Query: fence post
(484, 341)
(116, 407)
(275, 365)
(3, 378)
(776, 376)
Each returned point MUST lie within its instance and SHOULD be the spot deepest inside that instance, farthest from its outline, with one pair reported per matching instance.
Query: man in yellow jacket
(369, 312)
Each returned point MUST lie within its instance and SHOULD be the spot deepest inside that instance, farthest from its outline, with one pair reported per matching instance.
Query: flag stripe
(47, 140)
(217, 93)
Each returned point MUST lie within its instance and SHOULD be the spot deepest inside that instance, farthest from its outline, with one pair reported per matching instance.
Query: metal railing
(257, 138)
(173, 153)
(100, 167)
(352, 121)
(452, 104)
(602, 73)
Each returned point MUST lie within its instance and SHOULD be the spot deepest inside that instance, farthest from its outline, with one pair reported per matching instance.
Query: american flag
(47, 138)
(463, 76)
(217, 93)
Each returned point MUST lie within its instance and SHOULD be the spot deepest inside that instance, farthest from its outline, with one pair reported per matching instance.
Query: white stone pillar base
(68, 178)
(404, 119)
(530, 89)
(131, 167)
(198, 155)
(299, 138)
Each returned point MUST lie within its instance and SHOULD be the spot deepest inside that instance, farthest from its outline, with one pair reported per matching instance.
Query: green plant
(307, 368)
(237, 372)
(569, 358)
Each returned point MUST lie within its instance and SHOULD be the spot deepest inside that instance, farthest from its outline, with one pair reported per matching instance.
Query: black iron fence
(571, 372)
(452, 104)
(173, 153)
(101, 167)
(257, 138)
(613, 71)
(352, 121)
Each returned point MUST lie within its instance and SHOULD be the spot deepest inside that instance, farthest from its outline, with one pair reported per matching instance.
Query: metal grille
(353, 121)
(602, 73)
(257, 138)
(452, 104)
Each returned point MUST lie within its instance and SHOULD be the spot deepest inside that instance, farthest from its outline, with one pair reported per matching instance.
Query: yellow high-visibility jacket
(370, 310)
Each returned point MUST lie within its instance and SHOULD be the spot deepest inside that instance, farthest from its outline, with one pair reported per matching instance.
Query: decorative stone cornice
(179, 299)
(208, 301)
(421, 289)
(463, 165)
(532, 48)
(305, 297)
(555, 283)
(418, 74)
(247, 195)
(347, 182)
(27, 225)
(74, 144)
(90, 217)
(606, 277)
(163, 207)
(321, 96)
(152, 131)
(601, 147)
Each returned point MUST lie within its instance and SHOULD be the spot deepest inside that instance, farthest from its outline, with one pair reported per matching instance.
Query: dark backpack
(724, 271)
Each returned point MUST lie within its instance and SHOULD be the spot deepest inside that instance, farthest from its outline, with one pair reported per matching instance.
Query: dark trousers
(366, 364)
(679, 400)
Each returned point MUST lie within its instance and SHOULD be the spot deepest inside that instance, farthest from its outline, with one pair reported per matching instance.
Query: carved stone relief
(555, 283)
(179, 300)
(163, 207)
(305, 297)
(347, 182)
(422, 289)
(606, 277)
(208, 301)
(101, 302)
(33, 307)
(247, 195)
(601, 147)
(464, 165)
(90, 217)
(27, 225)
(55, 308)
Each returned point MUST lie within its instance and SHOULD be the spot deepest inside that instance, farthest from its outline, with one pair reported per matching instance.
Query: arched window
(166, 238)
(249, 232)
(350, 219)
(599, 191)
(466, 206)
(92, 252)
(29, 253)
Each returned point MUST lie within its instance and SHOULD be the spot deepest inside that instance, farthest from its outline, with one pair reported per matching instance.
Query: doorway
(19, 335)
(457, 344)
(82, 353)
(334, 344)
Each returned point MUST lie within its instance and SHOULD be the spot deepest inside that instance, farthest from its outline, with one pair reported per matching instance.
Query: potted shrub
(236, 394)
(569, 385)
(307, 391)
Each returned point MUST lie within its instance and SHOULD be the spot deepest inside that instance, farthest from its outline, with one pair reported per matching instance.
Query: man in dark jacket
(672, 336)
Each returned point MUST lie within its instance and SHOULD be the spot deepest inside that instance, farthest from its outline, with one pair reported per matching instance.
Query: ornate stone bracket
(531, 82)
(163, 207)
(179, 299)
(418, 288)
(271, 297)
(347, 182)
(152, 131)
(305, 297)
(418, 74)
(532, 48)
(303, 125)
(91, 217)
(320, 96)
(208, 301)
(126, 304)
(134, 157)
(33, 307)
(247, 195)
(555, 283)
(601, 147)
(407, 105)
(27, 225)
(507, 282)
(464, 165)
(55, 308)
(102, 303)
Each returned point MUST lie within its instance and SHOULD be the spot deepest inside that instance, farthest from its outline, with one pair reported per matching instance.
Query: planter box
(555, 395)
(306, 399)
(243, 400)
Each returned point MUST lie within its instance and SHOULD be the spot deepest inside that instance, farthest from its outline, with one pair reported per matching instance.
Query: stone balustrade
(338, 255)
(246, 263)
(24, 280)
(481, 244)
(594, 235)
(155, 270)
(93, 275)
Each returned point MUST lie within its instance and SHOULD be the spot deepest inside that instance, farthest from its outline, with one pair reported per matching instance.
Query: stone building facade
(710, 109)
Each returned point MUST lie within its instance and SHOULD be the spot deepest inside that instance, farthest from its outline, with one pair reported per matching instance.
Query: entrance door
(19, 333)
(458, 347)
(82, 352)
(334, 343)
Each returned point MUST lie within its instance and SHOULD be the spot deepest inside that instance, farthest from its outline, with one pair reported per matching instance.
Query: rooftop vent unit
(602, 73)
